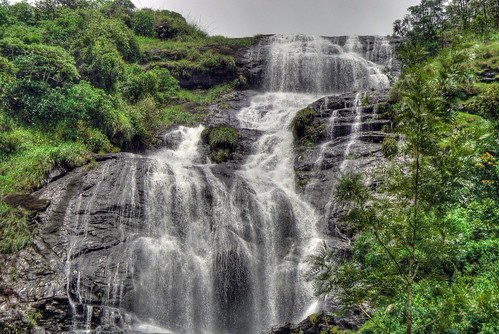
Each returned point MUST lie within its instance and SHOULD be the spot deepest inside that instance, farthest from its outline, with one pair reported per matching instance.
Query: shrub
(4, 18)
(23, 11)
(114, 32)
(143, 22)
(55, 67)
(167, 85)
(389, 147)
(34, 102)
(146, 120)
(102, 65)
(136, 83)
(173, 25)
(50, 64)
(485, 104)
(64, 30)
(26, 33)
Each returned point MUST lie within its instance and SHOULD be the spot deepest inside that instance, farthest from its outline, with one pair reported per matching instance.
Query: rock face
(86, 201)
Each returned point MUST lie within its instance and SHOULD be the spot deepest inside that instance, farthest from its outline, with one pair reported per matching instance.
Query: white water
(354, 131)
(218, 256)
(316, 65)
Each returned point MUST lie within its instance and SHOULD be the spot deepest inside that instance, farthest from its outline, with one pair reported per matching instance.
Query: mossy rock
(306, 131)
(223, 141)
(303, 119)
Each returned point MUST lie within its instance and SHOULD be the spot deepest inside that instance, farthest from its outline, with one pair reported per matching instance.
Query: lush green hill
(85, 78)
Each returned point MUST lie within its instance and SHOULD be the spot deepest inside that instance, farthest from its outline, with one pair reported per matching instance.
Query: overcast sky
(237, 18)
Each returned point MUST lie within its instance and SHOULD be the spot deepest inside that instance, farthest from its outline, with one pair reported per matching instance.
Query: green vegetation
(183, 58)
(79, 78)
(305, 132)
(389, 146)
(425, 257)
(223, 141)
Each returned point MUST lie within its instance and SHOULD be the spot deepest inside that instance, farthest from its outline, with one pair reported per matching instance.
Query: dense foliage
(84, 77)
(425, 255)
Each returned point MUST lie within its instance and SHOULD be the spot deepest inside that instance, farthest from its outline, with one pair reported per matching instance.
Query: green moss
(34, 317)
(314, 318)
(366, 100)
(302, 120)
(305, 131)
(223, 141)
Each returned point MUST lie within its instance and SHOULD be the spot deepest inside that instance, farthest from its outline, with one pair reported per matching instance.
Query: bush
(34, 102)
(102, 65)
(114, 32)
(64, 30)
(143, 22)
(173, 25)
(167, 85)
(137, 83)
(485, 104)
(146, 120)
(23, 12)
(50, 64)
(25, 33)
(157, 82)
(389, 147)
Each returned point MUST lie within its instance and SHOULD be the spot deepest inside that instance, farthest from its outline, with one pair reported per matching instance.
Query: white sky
(236, 18)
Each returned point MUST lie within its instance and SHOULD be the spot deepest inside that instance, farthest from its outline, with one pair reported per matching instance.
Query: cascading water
(213, 256)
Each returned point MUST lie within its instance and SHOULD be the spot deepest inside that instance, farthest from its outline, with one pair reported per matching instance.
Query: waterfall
(212, 255)
(316, 65)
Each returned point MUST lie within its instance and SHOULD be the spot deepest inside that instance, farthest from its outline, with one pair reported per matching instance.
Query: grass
(26, 157)
(183, 58)
(15, 232)
(177, 115)
(205, 97)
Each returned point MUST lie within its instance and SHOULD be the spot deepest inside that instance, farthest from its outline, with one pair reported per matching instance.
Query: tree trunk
(409, 304)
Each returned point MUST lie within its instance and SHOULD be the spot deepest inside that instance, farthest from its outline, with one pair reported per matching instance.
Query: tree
(101, 64)
(143, 22)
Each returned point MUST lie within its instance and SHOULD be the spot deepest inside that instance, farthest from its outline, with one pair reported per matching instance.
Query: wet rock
(315, 324)
(34, 279)
(27, 201)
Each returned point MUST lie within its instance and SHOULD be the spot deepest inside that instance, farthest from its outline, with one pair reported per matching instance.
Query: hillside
(86, 79)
